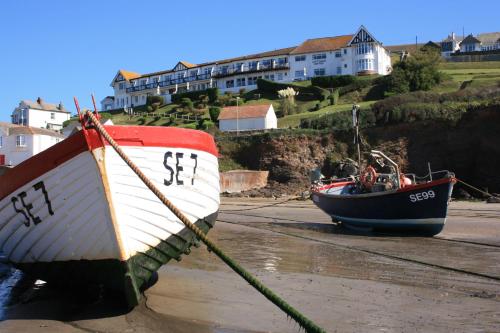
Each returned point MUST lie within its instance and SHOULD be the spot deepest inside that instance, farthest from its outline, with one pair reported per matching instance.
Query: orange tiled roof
(187, 64)
(245, 111)
(127, 75)
(323, 44)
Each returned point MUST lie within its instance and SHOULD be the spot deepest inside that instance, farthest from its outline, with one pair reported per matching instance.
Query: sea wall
(242, 180)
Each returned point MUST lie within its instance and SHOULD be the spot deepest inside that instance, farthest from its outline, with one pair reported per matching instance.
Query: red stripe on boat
(76, 144)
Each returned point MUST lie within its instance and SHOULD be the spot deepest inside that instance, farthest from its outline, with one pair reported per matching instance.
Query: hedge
(333, 81)
(212, 93)
(341, 120)
(308, 93)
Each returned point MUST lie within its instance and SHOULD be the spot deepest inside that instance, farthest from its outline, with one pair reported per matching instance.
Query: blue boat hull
(418, 208)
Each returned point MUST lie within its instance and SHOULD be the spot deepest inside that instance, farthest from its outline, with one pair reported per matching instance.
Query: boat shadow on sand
(342, 229)
(30, 299)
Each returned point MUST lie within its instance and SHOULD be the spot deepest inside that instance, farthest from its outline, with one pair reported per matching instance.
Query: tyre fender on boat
(369, 176)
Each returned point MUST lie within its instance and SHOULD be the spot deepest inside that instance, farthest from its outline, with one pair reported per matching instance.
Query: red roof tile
(323, 44)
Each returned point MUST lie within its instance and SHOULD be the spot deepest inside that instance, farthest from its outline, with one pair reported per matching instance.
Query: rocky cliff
(470, 148)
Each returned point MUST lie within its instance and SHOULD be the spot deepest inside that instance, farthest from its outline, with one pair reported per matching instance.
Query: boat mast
(355, 124)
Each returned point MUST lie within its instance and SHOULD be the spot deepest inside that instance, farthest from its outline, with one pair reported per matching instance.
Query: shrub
(150, 100)
(187, 104)
(212, 93)
(334, 97)
(214, 113)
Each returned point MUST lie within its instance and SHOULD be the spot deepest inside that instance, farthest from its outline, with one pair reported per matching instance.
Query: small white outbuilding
(247, 118)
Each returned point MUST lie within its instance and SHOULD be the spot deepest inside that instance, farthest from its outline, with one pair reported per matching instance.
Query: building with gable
(247, 118)
(40, 114)
(357, 54)
(18, 143)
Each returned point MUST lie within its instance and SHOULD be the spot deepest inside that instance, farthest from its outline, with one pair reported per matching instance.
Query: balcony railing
(247, 70)
(171, 82)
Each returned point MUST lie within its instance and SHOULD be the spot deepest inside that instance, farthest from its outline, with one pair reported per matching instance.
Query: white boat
(76, 214)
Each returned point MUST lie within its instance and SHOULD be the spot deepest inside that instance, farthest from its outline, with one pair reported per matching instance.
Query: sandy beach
(345, 281)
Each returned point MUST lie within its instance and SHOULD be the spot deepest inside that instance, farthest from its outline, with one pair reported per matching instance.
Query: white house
(40, 114)
(247, 118)
(18, 143)
(450, 45)
(107, 103)
(470, 44)
(355, 54)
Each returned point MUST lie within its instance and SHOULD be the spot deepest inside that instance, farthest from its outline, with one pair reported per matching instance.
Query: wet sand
(346, 281)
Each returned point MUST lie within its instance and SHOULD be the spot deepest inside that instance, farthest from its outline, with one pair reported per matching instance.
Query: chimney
(60, 106)
(39, 100)
(453, 35)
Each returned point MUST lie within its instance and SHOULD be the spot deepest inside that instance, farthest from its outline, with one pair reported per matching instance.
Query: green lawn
(294, 119)
(469, 65)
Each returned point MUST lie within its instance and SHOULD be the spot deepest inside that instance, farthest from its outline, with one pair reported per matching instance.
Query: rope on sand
(476, 189)
(303, 321)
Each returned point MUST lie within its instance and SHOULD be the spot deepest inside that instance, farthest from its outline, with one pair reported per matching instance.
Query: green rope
(475, 188)
(302, 320)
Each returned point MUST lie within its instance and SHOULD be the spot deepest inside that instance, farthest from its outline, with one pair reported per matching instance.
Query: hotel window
(280, 76)
(136, 99)
(345, 51)
(224, 69)
(20, 141)
(240, 82)
(52, 116)
(192, 73)
(266, 63)
(282, 61)
(338, 54)
(300, 58)
(339, 70)
(252, 65)
(319, 72)
(121, 85)
(319, 56)
(229, 83)
(299, 73)
(143, 82)
(364, 48)
(365, 64)
(156, 79)
(238, 67)
(269, 77)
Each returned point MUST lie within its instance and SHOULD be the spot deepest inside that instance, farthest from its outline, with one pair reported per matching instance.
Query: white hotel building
(358, 54)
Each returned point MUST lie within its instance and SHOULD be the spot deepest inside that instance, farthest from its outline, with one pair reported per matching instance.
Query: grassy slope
(294, 119)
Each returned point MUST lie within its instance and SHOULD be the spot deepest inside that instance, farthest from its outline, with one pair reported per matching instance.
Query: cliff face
(470, 148)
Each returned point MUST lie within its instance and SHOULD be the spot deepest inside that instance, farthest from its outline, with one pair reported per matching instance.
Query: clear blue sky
(59, 49)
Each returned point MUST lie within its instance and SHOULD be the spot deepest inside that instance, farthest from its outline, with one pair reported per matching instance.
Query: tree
(214, 113)
(417, 72)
